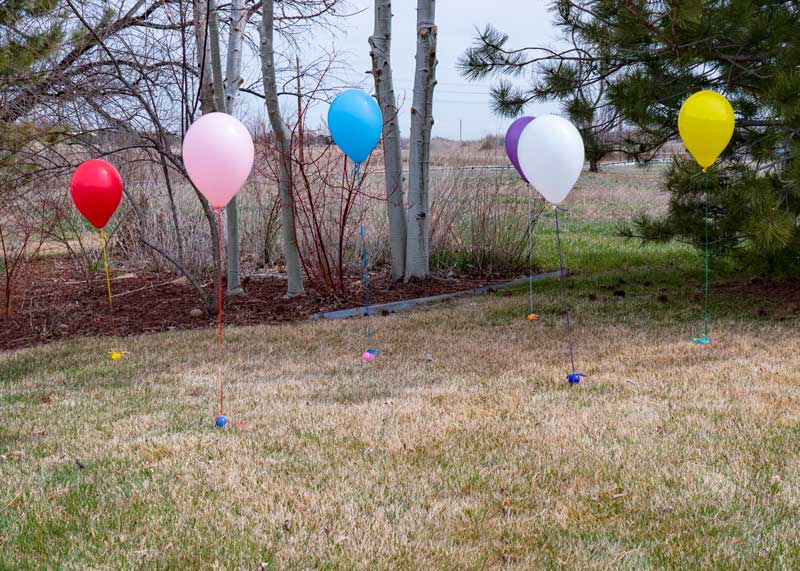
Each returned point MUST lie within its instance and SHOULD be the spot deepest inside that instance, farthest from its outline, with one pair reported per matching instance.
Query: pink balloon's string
(219, 298)
(244, 425)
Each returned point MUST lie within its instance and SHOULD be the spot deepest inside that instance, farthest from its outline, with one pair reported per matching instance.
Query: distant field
(462, 447)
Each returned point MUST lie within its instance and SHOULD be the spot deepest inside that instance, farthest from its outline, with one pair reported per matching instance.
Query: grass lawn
(462, 447)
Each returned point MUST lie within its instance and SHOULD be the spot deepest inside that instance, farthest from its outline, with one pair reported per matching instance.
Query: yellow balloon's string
(105, 260)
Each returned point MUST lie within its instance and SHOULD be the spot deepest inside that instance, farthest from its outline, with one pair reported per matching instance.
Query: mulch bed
(53, 302)
(779, 299)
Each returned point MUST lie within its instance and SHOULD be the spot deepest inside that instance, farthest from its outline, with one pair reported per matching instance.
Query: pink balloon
(218, 155)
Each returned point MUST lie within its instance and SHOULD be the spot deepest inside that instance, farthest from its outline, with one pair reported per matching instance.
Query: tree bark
(221, 103)
(283, 142)
(418, 239)
(206, 96)
(203, 58)
(216, 56)
(381, 53)
(233, 70)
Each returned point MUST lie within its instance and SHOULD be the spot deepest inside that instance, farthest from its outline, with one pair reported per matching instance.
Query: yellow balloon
(706, 126)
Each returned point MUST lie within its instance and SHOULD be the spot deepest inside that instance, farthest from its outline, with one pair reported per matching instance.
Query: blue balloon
(356, 123)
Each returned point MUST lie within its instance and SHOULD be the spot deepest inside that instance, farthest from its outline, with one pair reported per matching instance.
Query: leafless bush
(24, 226)
(71, 232)
(146, 188)
(479, 221)
(260, 221)
(327, 206)
(490, 142)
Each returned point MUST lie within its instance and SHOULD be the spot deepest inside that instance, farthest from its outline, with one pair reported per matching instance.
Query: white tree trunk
(206, 106)
(203, 57)
(220, 101)
(232, 83)
(283, 142)
(216, 56)
(381, 53)
(418, 241)
(233, 69)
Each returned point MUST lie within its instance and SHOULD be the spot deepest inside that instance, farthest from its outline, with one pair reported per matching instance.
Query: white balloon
(551, 156)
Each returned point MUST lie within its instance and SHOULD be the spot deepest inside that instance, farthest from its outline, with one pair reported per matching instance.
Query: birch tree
(225, 94)
(233, 70)
(206, 77)
(418, 239)
(283, 143)
(206, 98)
(381, 53)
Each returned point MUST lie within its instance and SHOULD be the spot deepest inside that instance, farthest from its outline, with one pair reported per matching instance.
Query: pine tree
(576, 82)
(28, 34)
(31, 31)
(651, 56)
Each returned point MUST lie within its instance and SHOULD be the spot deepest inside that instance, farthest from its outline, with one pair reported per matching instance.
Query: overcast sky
(528, 22)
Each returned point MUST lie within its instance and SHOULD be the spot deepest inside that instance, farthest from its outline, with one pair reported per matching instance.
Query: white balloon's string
(530, 247)
(564, 292)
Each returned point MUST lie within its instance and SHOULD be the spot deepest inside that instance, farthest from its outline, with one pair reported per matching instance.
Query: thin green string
(706, 303)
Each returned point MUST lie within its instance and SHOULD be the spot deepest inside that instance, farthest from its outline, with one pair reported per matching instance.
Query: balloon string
(365, 271)
(564, 295)
(706, 312)
(105, 262)
(530, 247)
(707, 254)
(219, 299)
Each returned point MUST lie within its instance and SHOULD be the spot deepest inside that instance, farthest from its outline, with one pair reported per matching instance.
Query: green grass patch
(17, 368)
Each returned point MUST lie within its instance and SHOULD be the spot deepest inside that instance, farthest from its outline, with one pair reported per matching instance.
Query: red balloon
(96, 190)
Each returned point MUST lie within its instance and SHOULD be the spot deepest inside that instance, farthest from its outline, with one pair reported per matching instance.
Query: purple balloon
(512, 142)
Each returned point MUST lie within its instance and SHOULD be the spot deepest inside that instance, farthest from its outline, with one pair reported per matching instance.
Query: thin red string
(219, 297)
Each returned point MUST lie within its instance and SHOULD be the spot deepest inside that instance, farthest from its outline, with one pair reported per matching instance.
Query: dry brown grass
(462, 447)
(669, 455)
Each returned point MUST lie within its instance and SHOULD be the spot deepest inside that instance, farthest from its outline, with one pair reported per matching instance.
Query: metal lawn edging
(395, 306)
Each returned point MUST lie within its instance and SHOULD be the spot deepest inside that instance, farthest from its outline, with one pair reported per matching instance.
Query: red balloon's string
(219, 297)
(105, 261)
